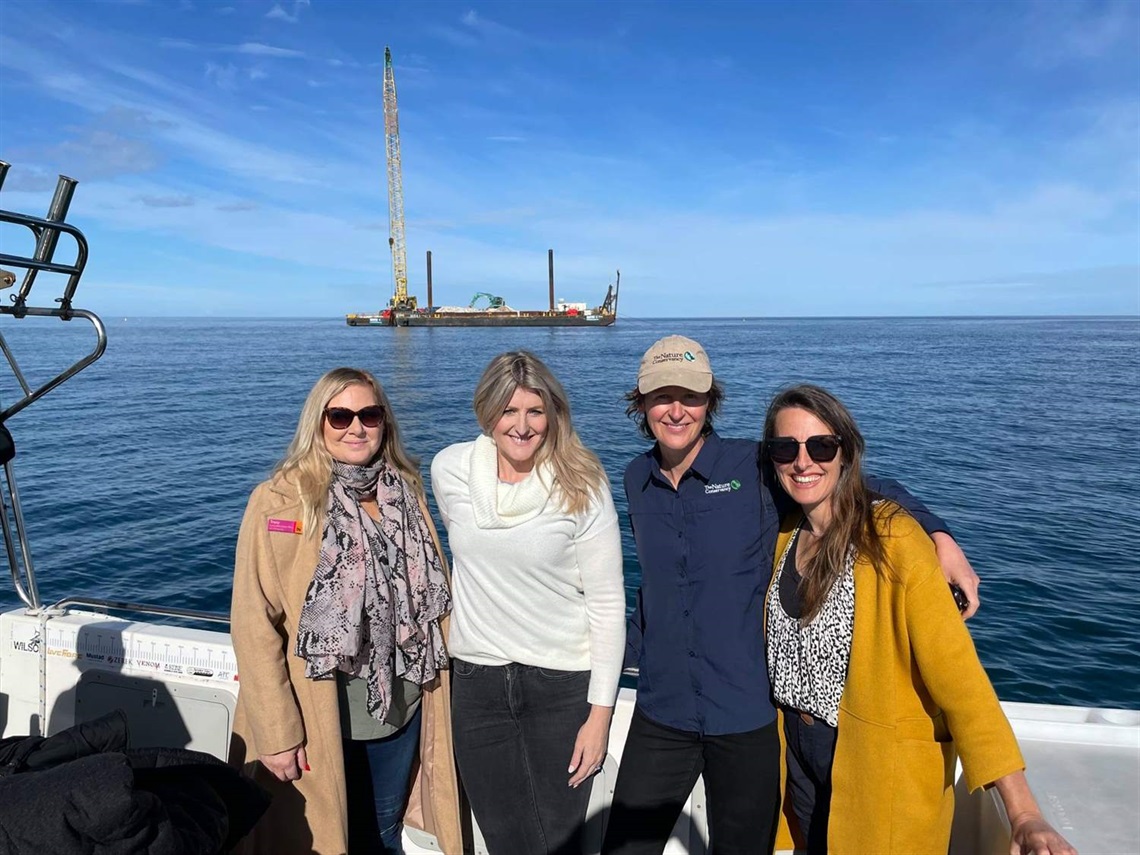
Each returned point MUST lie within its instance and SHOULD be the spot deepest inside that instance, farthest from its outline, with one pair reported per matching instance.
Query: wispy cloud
(181, 111)
(238, 206)
(222, 76)
(477, 30)
(100, 155)
(168, 201)
(278, 13)
(247, 48)
(258, 49)
(24, 179)
(489, 29)
(1063, 33)
(255, 49)
(117, 142)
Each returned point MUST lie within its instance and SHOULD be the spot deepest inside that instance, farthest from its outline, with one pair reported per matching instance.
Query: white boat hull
(179, 687)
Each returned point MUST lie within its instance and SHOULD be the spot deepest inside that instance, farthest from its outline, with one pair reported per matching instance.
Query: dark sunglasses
(340, 418)
(821, 449)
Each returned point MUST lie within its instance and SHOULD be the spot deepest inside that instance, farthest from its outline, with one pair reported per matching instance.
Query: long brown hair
(852, 509)
(578, 474)
(308, 464)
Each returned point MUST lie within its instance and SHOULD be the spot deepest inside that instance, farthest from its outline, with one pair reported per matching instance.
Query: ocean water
(1023, 433)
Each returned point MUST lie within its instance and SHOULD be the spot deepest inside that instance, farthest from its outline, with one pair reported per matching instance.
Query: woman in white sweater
(538, 627)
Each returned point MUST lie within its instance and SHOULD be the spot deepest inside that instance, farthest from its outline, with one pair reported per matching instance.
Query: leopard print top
(807, 664)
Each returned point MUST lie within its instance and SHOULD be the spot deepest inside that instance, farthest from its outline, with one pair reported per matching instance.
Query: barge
(404, 311)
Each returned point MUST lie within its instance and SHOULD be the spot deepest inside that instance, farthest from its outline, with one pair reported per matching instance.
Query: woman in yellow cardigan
(875, 672)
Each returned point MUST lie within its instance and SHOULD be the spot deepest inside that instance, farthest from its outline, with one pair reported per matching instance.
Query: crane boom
(400, 299)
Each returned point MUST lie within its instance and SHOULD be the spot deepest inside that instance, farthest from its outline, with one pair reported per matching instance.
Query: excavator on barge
(403, 309)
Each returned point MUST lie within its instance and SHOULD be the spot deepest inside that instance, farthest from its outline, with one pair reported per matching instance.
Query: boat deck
(180, 688)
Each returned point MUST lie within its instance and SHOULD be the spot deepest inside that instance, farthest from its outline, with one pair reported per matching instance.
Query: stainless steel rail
(140, 608)
(30, 395)
(46, 231)
(28, 592)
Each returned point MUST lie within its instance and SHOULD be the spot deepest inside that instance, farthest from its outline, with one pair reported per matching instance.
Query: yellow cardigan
(914, 679)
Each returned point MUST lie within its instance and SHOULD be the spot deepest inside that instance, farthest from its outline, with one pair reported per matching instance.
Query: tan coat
(916, 698)
(279, 708)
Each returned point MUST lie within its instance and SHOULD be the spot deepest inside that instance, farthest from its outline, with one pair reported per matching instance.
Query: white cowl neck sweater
(530, 583)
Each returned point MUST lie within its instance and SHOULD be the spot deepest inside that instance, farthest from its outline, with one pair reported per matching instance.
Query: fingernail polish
(307, 769)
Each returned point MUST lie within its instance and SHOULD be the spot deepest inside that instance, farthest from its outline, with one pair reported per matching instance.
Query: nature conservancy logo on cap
(726, 487)
(675, 361)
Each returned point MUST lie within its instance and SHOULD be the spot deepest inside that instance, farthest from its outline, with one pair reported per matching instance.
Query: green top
(355, 721)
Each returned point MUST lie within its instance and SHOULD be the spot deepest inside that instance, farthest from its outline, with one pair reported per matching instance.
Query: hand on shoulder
(957, 569)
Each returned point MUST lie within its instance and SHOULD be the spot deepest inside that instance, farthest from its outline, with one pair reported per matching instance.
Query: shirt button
(692, 654)
(698, 693)
(685, 612)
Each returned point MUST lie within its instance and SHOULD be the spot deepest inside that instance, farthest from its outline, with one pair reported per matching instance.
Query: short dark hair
(636, 409)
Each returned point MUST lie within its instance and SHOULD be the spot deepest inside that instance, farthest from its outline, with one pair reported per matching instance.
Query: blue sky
(780, 159)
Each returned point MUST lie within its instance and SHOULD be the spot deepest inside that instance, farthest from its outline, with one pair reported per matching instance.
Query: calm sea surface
(1023, 433)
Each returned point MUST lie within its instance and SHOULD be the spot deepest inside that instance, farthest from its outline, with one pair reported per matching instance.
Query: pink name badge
(285, 526)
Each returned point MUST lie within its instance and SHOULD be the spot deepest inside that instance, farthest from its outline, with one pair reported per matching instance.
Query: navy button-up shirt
(706, 551)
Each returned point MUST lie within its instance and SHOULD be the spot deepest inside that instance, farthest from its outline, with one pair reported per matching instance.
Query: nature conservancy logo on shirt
(726, 487)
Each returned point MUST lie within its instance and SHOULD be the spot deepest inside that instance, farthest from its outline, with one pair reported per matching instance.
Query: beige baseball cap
(675, 361)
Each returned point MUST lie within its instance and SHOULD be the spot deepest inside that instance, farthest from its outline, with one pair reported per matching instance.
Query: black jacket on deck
(83, 791)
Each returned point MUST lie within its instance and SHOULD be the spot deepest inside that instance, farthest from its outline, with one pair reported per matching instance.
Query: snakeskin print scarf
(378, 593)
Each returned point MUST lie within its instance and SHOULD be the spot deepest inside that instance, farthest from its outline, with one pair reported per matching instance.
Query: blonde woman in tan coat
(338, 620)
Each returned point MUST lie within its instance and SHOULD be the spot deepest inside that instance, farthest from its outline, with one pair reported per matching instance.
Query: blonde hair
(578, 474)
(307, 463)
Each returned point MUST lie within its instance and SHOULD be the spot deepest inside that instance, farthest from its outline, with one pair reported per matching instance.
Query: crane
(400, 299)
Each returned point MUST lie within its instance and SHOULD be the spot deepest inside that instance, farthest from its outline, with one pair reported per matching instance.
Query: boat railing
(138, 608)
(46, 231)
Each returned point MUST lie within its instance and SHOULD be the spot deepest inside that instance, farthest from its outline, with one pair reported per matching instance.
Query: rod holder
(47, 237)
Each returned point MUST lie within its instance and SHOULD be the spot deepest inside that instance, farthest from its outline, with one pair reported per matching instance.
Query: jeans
(377, 777)
(811, 748)
(514, 733)
(659, 768)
